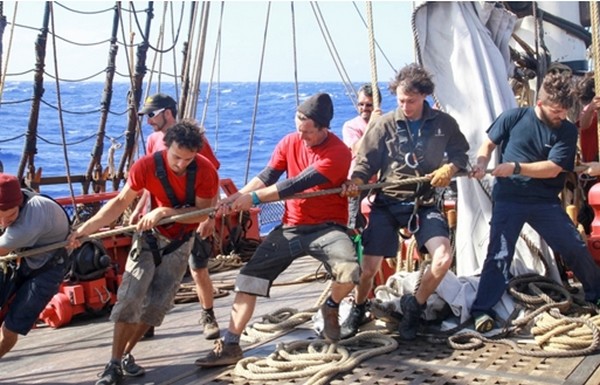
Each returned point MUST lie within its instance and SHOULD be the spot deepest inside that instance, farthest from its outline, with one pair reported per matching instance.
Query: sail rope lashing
(60, 116)
(350, 90)
(595, 19)
(389, 62)
(257, 94)
(372, 56)
(295, 54)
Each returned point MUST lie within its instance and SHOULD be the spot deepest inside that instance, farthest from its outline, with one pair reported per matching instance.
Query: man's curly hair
(412, 79)
(186, 133)
(557, 88)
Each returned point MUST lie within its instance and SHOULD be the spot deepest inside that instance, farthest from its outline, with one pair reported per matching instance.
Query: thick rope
(373, 56)
(317, 358)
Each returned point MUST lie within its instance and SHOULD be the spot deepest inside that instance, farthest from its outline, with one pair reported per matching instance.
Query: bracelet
(255, 200)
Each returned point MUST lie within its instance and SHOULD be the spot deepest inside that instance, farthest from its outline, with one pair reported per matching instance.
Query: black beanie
(319, 108)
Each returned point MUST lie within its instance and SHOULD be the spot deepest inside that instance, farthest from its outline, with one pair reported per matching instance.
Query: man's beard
(548, 122)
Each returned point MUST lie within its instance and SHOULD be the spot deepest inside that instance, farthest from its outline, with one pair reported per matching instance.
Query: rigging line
(196, 82)
(257, 95)
(11, 139)
(16, 101)
(373, 55)
(10, 40)
(376, 43)
(60, 116)
(594, 10)
(77, 80)
(174, 55)
(54, 35)
(58, 108)
(160, 42)
(142, 34)
(214, 66)
(65, 144)
(84, 12)
(20, 73)
(295, 51)
(333, 52)
(187, 62)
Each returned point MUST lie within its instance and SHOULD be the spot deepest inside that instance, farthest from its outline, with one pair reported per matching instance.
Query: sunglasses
(155, 113)
(368, 105)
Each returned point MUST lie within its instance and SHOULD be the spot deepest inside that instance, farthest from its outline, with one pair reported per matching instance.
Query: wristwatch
(517, 169)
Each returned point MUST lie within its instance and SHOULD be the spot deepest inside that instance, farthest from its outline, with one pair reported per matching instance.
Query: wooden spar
(94, 171)
(134, 99)
(192, 102)
(30, 148)
(595, 18)
(185, 68)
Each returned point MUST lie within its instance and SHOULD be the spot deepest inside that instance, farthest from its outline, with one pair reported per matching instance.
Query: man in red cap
(29, 220)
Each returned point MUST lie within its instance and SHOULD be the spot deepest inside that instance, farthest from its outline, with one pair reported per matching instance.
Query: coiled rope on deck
(317, 358)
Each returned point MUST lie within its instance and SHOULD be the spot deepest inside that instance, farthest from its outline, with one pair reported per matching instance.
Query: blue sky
(243, 30)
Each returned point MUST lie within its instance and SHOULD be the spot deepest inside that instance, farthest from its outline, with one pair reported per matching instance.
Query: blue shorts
(201, 253)
(388, 216)
(36, 289)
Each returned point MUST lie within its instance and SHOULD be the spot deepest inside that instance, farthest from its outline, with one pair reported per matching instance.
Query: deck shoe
(331, 323)
(209, 324)
(111, 375)
(411, 317)
(149, 333)
(130, 368)
(222, 355)
(484, 323)
(356, 317)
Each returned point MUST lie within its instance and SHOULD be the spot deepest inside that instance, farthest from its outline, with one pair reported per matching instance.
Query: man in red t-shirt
(161, 110)
(314, 159)
(159, 255)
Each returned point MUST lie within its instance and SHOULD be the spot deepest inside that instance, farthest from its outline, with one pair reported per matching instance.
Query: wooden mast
(30, 148)
(95, 171)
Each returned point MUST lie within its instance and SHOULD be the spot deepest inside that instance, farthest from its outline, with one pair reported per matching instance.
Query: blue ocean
(243, 128)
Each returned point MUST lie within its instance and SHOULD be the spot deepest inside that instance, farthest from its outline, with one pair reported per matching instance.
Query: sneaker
(484, 323)
(209, 325)
(130, 368)
(411, 317)
(331, 323)
(111, 375)
(351, 324)
(221, 355)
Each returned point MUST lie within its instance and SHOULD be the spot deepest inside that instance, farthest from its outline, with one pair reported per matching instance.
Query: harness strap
(190, 193)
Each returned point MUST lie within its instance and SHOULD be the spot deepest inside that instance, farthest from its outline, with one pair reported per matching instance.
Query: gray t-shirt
(41, 222)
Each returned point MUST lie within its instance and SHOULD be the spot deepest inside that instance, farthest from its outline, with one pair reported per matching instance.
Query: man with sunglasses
(352, 131)
(414, 140)
(536, 144)
(161, 110)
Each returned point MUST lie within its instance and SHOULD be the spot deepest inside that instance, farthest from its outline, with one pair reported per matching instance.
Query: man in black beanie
(314, 159)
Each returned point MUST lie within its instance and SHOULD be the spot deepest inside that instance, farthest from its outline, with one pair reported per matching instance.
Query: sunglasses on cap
(155, 113)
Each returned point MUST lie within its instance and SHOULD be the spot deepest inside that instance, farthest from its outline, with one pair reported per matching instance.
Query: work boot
(355, 319)
(411, 317)
(222, 354)
(331, 323)
(209, 324)
(111, 375)
(130, 368)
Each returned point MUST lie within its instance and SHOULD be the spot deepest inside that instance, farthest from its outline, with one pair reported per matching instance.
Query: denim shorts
(35, 291)
(201, 253)
(388, 216)
(147, 291)
(327, 242)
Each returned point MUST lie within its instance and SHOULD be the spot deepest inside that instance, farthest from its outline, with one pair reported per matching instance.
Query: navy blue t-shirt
(524, 138)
